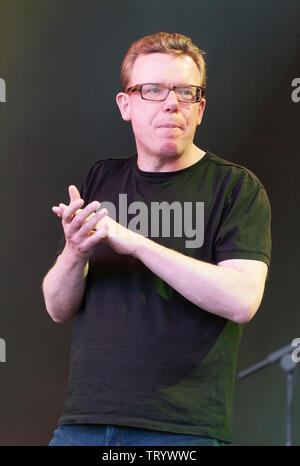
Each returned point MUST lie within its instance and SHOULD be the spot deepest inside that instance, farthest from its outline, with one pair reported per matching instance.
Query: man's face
(149, 118)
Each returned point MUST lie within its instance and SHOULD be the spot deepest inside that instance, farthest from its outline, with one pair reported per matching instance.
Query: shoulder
(110, 164)
(232, 172)
(105, 171)
(235, 181)
(107, 166)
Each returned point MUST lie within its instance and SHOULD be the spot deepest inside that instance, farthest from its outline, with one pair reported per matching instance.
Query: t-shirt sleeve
(245, 228)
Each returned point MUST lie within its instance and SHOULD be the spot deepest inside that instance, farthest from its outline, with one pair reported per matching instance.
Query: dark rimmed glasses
(153, 91)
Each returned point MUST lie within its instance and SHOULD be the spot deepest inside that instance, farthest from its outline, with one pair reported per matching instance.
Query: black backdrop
(60, 61)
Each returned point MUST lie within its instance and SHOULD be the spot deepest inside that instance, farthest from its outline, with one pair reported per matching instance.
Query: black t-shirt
(143, 355)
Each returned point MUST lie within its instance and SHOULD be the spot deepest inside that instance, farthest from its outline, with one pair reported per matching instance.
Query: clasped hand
(85, 227)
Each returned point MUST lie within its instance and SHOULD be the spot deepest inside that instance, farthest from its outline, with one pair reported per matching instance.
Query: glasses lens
(158, 92)
(187, 94)
(154, 92)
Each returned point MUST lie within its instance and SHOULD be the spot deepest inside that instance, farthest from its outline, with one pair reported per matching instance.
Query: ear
(123, 102)
(201, 108)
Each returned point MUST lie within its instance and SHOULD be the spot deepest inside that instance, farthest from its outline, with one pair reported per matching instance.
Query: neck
(163, 163)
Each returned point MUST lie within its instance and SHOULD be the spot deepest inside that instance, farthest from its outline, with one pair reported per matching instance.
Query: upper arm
(255, 272)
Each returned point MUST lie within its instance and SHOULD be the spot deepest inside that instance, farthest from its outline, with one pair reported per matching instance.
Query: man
(158, 314)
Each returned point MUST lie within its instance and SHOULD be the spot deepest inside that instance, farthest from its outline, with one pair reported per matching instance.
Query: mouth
(169, 126)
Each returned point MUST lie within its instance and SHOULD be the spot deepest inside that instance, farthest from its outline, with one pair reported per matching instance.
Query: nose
(171, 104)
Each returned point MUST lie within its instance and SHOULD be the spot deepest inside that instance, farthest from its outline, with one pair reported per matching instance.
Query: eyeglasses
(152, 91)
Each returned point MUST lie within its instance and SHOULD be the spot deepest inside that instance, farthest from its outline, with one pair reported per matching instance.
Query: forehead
(164, 68)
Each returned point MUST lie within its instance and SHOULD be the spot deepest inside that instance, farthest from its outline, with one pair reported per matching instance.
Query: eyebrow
(176, 85)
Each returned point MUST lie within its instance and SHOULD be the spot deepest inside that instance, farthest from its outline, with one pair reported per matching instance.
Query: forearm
(64, 285)
(219, 290)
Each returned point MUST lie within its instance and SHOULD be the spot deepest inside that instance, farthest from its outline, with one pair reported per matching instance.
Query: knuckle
(92, 207)
(68, 234)
(80, 248)
(103, 212)
(67, 216)
(91, 222)
(75, 204)
(77, 221)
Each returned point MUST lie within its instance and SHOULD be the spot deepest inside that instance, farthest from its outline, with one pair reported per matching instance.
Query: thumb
(74, 193)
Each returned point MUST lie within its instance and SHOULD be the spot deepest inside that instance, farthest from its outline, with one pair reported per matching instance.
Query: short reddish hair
(162, 42)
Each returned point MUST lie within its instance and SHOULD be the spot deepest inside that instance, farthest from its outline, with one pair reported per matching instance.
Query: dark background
(61, 62)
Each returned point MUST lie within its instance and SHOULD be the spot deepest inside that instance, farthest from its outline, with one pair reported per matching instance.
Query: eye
(185, 91)
(154, 90)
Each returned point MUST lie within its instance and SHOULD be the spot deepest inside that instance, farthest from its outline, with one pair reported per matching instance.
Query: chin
(169, 149)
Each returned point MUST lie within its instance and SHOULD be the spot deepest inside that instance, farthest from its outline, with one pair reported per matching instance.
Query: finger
(102, 221)
(64, 206)
(70, 210)
(90, 225)
(57, 211)
(87, 213)
(90, 216)
(95, 237)
(74, 193)
(82, 217)
(59, 208)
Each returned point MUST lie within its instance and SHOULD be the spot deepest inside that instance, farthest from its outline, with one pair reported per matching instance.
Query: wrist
(141, 244)
(72, 259)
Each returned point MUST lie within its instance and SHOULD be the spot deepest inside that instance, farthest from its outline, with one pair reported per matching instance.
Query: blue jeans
(115, 435)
